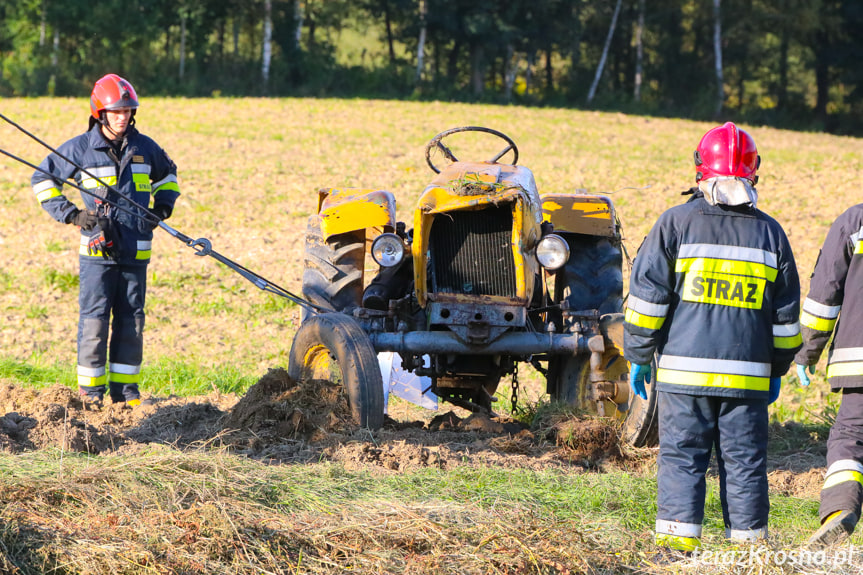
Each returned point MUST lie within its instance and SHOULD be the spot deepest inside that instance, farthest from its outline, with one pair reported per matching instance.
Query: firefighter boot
(835, 529)
(92, 396)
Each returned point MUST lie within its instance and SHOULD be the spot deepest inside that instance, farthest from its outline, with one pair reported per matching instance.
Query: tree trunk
(782, 88)
(452, 62)
(55, 49)
(298, 17)
(601, 65)
(477, 55)
(221, 42)
(822, 76)
(717, 50)
(528, 74)
(43, 24)
(575, 45)
(236, 31)
(182, 45)
(509, 71)
(639, 50)
(267, 43)
(421, 44)
(389, 28)
(549, 73)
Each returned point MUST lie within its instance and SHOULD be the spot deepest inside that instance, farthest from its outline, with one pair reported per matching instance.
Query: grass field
(249, 170)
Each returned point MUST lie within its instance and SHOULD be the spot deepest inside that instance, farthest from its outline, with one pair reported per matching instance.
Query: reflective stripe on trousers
(843, 484)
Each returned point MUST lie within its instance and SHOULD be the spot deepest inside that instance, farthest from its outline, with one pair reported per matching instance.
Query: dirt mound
(278, 408)
(583, 439)
(806, 484)
(56, 417)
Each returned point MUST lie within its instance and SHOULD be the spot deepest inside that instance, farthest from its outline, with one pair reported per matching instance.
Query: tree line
(792, 63)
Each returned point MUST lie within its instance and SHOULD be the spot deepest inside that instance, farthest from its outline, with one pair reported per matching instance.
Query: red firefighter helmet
(110, 93)
(726, 151)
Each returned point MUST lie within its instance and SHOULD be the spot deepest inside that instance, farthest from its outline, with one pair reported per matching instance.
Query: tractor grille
(471, 252)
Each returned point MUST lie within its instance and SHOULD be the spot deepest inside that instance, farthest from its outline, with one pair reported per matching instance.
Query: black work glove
(83, 219)
(162, 212)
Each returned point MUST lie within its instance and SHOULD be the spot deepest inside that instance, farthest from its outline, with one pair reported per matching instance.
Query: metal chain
(514, 398)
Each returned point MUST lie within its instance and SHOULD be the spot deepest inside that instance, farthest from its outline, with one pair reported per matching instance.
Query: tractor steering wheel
(436, 143)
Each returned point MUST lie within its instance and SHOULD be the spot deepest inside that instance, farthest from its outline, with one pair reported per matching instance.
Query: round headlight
(552, 251)
(388, 250)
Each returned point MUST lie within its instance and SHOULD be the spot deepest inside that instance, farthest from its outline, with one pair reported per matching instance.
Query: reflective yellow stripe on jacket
(644, 313)
(718, 373)
(46, 189)
(91, 178)
(167, 183)
(845, 361)
(141, 177)
(787, 336)
(819, 316)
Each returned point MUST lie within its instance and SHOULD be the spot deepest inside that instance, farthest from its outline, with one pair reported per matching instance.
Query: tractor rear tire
(593, 279)
(593, 276)
(333, 273)
(641, 426)
(333, 347)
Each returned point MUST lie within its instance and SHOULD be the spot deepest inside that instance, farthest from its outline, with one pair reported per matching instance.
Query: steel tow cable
(202, 246)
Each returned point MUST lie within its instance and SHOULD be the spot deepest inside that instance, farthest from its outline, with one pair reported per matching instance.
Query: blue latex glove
(775, 387)
(639, 375)
(802, 375)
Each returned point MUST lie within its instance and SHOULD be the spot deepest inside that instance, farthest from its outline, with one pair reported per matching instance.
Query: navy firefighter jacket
(714, 292)
(143, 174)
(837, 286)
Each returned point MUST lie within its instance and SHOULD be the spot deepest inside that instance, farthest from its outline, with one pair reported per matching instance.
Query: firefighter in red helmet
(713, 302)
(121, 166)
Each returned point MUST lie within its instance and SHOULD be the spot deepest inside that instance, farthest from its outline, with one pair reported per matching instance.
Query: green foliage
(165, 377)
(183, 378)
(63, 281)
(526, 52)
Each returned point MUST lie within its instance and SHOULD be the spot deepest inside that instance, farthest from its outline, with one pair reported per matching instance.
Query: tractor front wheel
(333, 347)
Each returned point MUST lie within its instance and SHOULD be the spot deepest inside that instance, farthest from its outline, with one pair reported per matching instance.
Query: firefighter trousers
(111, 296)
(690, 427)
(843, 484)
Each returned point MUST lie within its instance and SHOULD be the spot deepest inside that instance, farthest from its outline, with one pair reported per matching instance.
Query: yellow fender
(349, 209)
(580, 214)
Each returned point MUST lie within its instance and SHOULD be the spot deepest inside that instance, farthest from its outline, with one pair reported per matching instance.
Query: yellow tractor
(491, 274)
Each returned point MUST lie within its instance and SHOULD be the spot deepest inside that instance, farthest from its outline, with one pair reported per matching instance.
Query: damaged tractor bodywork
(470, 298)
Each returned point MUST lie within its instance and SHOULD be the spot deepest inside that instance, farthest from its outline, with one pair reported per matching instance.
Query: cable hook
(202, 247)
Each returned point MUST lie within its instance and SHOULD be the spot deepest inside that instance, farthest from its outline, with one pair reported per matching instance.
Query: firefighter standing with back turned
(837, 286)
(714, 293)
(115, 245)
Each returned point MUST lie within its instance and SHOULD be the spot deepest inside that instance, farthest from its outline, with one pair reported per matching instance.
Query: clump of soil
(583, 439)
(278, 408)
(803, 484)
